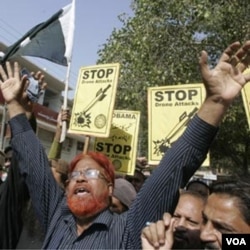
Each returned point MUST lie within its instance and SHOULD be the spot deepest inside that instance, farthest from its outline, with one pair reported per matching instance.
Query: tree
(232, 148)
(159, 45)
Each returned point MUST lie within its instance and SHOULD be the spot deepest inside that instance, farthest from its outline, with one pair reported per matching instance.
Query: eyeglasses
(89, 174)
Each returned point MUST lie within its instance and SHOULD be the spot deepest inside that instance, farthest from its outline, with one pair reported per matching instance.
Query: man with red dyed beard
(72, 223)
(88, 198)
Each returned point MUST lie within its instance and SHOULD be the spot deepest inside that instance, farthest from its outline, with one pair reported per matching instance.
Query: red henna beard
(88, 206)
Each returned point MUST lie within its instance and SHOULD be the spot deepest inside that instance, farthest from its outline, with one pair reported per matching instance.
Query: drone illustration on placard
(161, 146)
(83, 118)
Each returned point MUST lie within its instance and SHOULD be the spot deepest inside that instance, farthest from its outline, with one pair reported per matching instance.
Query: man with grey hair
(123, 195)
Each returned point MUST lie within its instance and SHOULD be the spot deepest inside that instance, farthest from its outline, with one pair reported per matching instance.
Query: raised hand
(158, 235)
(13, 88)
(64, 115)
(225, 81)
(39, 76)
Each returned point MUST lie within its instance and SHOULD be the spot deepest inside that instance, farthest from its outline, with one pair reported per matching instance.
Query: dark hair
(101, 159)
(200, 183)
(237, 189)
(7, 149)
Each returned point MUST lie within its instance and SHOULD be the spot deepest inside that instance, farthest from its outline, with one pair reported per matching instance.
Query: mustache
(181, 232)
(209, 246)
(185, 238)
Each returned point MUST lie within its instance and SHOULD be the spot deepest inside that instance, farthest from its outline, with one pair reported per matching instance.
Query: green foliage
(159, 45)
(232, 148)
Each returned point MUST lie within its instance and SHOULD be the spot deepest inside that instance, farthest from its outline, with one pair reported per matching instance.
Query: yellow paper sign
(94, 100)
(245, 92)
(121, 145)
(170, 108)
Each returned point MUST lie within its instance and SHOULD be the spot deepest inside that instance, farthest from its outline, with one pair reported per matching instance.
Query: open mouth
(81, 191)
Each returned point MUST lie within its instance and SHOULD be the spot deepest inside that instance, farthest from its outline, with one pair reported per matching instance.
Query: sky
(94, 22)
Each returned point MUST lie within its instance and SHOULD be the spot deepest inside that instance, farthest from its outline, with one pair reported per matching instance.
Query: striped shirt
(108, 231)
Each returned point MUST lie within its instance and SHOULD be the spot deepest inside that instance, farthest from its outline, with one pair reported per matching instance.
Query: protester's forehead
(220, 202)
(226, 200)
(224, 209)
(188, 197)
(87, 163)
(188, 202)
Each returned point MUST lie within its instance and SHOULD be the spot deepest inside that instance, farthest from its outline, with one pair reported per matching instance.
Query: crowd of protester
(48, 203)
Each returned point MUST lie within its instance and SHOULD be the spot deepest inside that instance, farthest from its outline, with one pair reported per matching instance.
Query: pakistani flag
(51, 40)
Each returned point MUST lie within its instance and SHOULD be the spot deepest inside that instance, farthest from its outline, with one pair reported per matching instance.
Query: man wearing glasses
(80, 218)
(89, 186)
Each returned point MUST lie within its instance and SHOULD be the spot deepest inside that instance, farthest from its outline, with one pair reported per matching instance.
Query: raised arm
(224, 82)
(160, 191)
(29, 152)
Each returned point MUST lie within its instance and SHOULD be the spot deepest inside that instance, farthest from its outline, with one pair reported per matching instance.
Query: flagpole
(65, 103)
(71, 39)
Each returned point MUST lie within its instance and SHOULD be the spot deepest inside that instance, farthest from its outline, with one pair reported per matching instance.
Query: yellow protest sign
(94, 100)
(245, 92)
(121, 145)
(170, 108)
